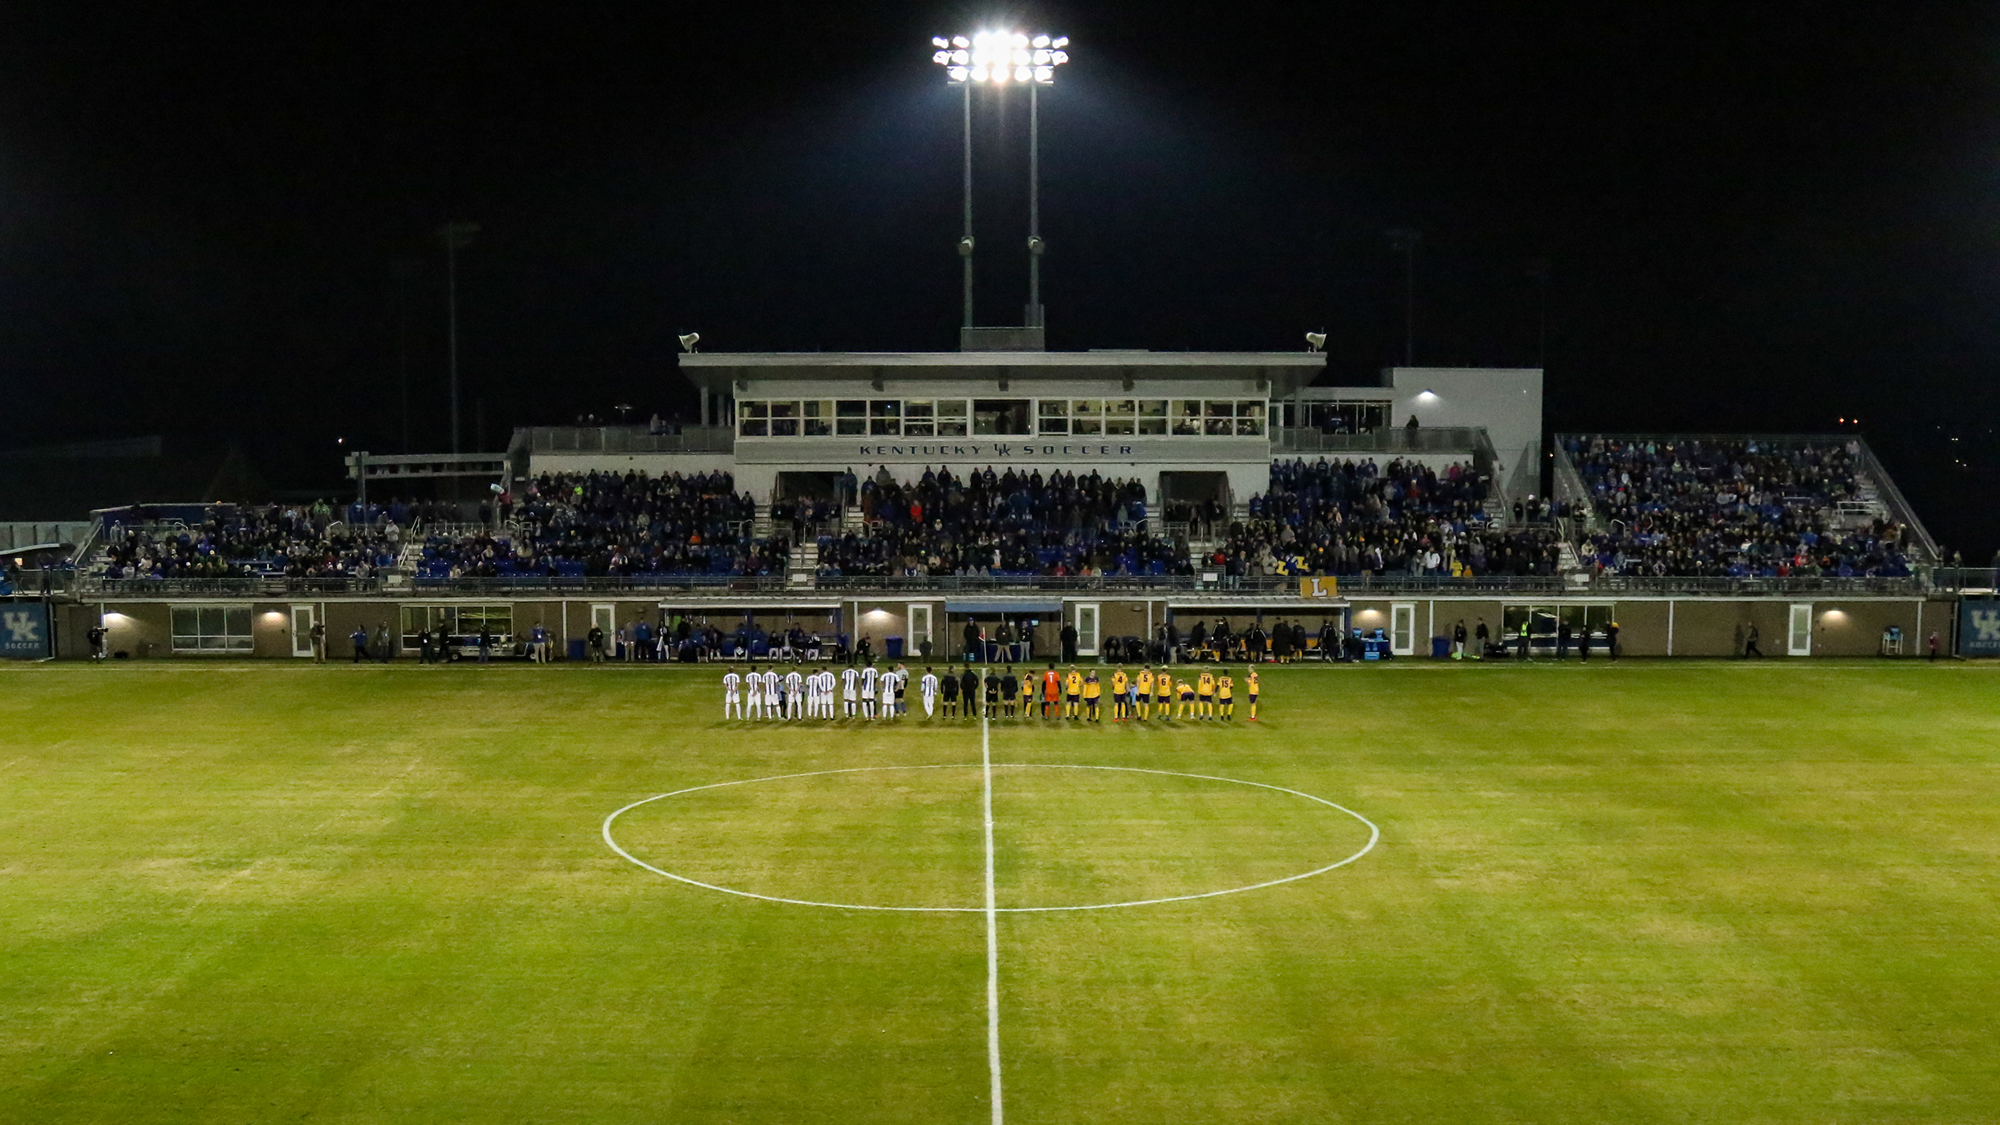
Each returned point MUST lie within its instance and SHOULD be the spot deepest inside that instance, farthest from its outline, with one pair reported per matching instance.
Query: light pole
(455, 236)
(1001, 58)
(1404, 241)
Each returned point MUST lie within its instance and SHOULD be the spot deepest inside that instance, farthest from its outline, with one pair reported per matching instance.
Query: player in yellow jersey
(1093, 692)
(1119, 683)
(1225, 696)
(1250, 687)
(1205, 687)
(1186, 709)
(1163, 695)
(1073, 690)
(1142, 694)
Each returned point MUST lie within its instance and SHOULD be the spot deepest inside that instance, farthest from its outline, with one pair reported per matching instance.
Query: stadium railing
(233, 587)
(1398, 439)
(1752, 587)
(628, 439)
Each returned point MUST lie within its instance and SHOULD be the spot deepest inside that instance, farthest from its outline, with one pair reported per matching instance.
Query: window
(919, 418)
(1000, 416)
(1054, 416)
(951, 417)
(851, 417)
(1250, 418)
(1186, 416)
(784, 419)
(1120, 416)
(818, 419)
(885, 417)
(1086, 416)
(1152, 416)
(753, 419)
(1221, 418)
(211, 628)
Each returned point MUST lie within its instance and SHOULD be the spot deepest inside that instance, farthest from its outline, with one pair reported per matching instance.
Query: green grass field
(1665, 892)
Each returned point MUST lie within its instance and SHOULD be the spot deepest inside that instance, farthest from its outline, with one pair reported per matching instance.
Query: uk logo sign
(1979, 627)
(24, 632)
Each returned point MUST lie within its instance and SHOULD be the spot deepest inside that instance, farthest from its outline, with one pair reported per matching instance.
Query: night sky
(216, 220)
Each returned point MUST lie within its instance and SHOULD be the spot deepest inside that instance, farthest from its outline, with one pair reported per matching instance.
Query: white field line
(992, 919)
(1374, 836)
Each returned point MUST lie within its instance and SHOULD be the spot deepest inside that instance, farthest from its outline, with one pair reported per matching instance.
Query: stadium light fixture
(1001, 59)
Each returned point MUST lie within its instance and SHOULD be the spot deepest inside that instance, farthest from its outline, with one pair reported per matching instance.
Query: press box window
(784, 419)
(951, 417)
(1086, 416)
(885, 417)
(753, 419)
(818, 419)
(919, 418)
(993, 416)
(851, 417)
(1152, 416)
(1250, 418)
(1054, 417)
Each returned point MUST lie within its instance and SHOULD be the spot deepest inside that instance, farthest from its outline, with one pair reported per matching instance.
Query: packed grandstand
(1721, 507)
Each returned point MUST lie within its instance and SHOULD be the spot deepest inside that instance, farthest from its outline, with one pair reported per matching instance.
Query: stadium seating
(608, 524)
(229, 541)
(988, 523)
(1729, 508)
(1358, 518)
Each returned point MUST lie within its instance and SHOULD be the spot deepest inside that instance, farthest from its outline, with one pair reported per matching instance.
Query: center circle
(932, 828)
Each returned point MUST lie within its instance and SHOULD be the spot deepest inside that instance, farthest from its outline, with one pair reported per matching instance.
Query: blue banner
(1979, 627)
(24, 630)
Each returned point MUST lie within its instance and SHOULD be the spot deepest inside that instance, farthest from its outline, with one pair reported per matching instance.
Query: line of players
(869, 693)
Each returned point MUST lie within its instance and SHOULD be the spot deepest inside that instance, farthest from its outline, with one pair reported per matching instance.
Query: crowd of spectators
(1740, 508)
(234, 541)
(608, 524)
(1002, 523)
(1400, 519)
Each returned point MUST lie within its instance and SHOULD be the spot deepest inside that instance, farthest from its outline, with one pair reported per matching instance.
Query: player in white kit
(732, 698)
(869, 679)
(754, 687)
(771, 682)
(929, 687)
(795, 687)
(849, 682)
(826, 692)
(888, 689)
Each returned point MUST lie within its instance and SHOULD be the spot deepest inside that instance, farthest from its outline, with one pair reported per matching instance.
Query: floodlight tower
(1001, 58)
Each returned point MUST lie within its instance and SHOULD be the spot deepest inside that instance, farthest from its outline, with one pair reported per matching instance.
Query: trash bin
(893, 647)
(576, 648)
(1440, 648)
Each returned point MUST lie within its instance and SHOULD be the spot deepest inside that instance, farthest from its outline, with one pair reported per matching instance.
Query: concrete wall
(1685, 627)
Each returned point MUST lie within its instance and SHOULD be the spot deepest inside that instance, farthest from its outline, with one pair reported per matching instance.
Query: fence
(628, 439)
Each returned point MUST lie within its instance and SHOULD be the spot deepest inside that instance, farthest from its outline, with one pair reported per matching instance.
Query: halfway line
(992, 920)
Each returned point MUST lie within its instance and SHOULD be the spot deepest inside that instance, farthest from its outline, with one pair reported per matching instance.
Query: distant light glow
(1428, 395)
(1000, 57)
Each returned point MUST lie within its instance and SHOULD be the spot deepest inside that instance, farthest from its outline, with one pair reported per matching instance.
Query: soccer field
(1637, 892)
